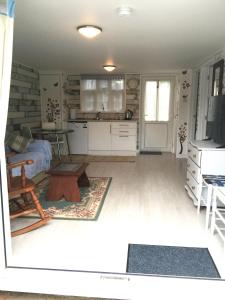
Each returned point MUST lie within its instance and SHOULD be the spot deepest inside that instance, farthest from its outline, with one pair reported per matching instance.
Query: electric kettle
(128, 114)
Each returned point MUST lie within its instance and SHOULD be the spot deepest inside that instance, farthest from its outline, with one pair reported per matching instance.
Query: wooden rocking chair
(20, 187)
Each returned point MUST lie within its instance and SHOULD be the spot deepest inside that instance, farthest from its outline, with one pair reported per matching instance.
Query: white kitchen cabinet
(123, 142)
(112, 138)
(99, 136)
(123, 136)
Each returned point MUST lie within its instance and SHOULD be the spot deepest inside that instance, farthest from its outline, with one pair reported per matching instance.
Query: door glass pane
(150, 100)
(163, 101)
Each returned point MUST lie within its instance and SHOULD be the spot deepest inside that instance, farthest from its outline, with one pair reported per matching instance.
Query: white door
(157, 114)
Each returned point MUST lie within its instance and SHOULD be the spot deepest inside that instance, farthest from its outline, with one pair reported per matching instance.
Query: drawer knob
(194, 155)
(193, 187)
(193, 172)
(187, 179)
(189, 150)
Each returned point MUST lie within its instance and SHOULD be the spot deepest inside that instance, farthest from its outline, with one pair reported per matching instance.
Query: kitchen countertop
(102, 120)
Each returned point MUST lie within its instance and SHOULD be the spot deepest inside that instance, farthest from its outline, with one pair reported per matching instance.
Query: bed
(40, 152)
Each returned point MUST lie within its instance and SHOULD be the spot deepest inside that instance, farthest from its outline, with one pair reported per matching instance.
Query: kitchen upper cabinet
(99, 137)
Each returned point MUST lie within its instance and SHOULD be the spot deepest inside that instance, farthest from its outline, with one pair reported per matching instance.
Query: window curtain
(103, 93)
(6, 46)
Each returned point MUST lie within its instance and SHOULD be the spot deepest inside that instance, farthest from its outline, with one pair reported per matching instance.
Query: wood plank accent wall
(24, 101)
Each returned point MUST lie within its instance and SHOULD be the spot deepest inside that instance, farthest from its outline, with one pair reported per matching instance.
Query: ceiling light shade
(89, 31)
(124, 11)
(109, 68)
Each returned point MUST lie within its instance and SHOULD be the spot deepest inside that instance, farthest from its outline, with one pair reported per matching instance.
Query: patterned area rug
(92, 200)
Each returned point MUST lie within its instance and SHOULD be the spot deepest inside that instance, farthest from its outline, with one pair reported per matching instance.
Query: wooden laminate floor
(29, 296)
(146, 203)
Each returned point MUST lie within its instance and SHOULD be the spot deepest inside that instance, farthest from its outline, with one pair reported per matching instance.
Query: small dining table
(57, 132)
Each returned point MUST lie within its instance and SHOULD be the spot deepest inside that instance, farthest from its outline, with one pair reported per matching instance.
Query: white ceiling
(161, 35)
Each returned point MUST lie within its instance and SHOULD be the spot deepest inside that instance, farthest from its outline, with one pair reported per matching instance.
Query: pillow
(26, 132)
(17, 142)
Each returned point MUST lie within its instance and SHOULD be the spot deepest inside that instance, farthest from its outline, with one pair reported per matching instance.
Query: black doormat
(171, 261)
(151, 152)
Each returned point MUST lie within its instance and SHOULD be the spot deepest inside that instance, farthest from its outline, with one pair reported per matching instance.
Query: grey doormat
(151, 152)
(171, 261)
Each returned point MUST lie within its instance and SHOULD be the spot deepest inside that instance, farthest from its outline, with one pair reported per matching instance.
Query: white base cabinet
(99, 136)
(112, 138)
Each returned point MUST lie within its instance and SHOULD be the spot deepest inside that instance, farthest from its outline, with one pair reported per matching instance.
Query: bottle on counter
(72, 114)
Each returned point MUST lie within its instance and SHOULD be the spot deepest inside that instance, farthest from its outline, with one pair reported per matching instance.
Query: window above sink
(103, 93)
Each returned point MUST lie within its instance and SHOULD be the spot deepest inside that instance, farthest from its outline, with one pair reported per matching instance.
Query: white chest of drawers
(203, 158)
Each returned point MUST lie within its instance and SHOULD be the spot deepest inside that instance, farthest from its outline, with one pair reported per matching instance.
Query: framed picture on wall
(217, 79)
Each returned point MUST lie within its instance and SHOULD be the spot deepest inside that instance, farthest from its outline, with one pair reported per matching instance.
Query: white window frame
(83, 283)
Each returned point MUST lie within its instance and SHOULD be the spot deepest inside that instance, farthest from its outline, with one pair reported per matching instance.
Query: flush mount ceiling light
(109, 68)
(124, 11)
(89, 31)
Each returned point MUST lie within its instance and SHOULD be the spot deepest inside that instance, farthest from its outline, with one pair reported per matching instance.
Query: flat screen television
(215, 128)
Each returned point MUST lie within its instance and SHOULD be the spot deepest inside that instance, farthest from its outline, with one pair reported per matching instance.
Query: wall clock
(133, 83)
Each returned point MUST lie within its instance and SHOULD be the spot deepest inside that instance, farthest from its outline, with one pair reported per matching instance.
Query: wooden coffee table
(65, 180)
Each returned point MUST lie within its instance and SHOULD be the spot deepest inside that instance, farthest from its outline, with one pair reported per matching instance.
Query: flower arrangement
(185, 86)
(52, 109)
(182, 134)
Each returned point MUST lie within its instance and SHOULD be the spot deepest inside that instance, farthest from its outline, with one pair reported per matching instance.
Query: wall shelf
(70, 89)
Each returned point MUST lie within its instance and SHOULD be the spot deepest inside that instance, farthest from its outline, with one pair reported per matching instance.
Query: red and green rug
(92, 200)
